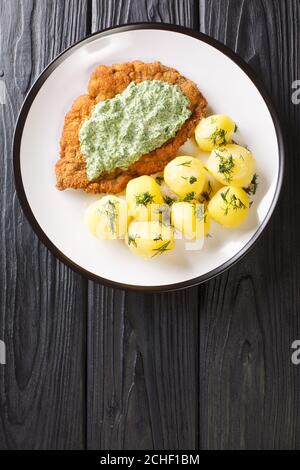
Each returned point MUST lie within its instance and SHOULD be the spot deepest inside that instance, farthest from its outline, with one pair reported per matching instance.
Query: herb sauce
(122, 129)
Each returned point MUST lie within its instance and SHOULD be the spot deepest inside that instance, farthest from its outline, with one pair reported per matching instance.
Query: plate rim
(36, 86)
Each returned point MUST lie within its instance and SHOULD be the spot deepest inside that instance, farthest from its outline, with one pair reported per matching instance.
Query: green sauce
(122, 129)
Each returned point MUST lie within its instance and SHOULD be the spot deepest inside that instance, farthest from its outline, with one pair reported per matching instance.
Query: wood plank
(142, 349)
(42, 319)
(106, 13)
(249, 393)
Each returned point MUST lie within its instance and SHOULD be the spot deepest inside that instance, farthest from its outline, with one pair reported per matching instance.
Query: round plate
(230, 88)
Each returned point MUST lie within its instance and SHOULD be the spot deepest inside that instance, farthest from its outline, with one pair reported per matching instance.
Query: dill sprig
(110, 210)
(186, 163)
(192, 179)
(252, 188)
(168, 200)
(189, 196)
(232, 203)
(159, 180)
(132, 239)
(157, 238)
(161, 249)
(218, 137)
(144, 199)
(205, 196)
(226, 166)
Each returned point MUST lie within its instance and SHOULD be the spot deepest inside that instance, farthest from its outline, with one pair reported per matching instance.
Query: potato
(185, 176)
(150, 239)
(107, 218)
(141, 194)
(214, 131)
(232, 165)
(229, 206)
(190, 218)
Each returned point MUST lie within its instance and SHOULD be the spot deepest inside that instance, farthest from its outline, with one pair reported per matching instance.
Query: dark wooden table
(97, 368)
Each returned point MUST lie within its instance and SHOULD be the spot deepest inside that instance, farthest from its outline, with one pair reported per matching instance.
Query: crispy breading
(105, 83)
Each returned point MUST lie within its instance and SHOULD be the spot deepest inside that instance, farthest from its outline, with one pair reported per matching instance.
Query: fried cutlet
(105, 83)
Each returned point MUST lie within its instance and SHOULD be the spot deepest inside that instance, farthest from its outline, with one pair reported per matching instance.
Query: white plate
(229, 86)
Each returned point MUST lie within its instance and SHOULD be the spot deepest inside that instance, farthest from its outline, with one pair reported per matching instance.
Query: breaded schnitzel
(105, 83)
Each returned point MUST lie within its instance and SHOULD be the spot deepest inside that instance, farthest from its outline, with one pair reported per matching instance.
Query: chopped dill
(109, 209)
(189, 196)
(252, 188)
(205, 196)
(168, 200)
(144, 199)
(226, 166)
(161, 249)
(159, 180)
(218, 137)
(191, 180)
(132, 239)
(157, 238)
(233, 203)
(186, 163)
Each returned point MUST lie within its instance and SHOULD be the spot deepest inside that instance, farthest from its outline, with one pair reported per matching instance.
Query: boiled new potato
(141, 195)
(185, 176)
(150, 239)
(232, 165)
(190, 218)
(229, 206)
(107, 218)
(214, 131)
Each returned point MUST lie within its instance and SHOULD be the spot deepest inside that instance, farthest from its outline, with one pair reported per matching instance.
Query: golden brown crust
(105, 83)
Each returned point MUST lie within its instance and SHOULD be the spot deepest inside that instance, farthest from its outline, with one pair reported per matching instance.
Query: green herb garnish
(186, 163)
(162, 249)
(226, 166)
(168, 200)
(144, 199)
(132, 239)
(232, 203)
(189, 197)
(252, 188)
(159, 180)
(157, 238)
(109, 209)
(218, 137)
(191, 180)
(206, 194)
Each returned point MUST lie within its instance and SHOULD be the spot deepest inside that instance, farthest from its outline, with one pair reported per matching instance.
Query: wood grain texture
(106, 13)
(42, 319)
(142, 349)
(205, 368)
(249, 392)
